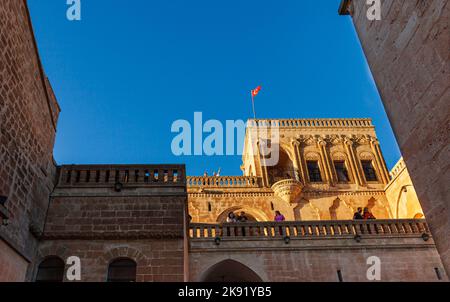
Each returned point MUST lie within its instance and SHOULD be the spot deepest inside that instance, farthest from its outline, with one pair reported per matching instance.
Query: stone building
(131, 223)
(326, 169)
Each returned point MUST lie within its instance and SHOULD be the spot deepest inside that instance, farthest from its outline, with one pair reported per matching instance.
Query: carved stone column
(263, 166)
(323, 148)
(320, 145)
(348, 145)
(297, 161)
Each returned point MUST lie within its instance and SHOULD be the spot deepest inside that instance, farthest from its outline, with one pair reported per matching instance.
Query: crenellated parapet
(398, 168)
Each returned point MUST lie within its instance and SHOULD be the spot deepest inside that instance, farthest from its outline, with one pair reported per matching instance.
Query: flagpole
(253, 105)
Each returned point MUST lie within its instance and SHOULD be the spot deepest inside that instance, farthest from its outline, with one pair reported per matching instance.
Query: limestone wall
(401, 194)
(262, 203)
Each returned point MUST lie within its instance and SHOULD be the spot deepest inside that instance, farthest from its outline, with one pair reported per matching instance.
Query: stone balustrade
(224, 181)
(301, 123)
(399, 166)
(309, 229)
(107, 175)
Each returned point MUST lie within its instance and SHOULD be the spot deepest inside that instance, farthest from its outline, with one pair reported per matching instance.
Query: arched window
(122, 270)
(51, 270)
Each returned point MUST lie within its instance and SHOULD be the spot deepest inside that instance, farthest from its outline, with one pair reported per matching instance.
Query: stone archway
(251, 213)
(230, 271)
(284, 169)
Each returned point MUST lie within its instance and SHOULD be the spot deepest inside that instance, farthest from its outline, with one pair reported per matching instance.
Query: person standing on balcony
(242, 217)
(231, 218)
(358, 215)
(368, 215)
(279, 217)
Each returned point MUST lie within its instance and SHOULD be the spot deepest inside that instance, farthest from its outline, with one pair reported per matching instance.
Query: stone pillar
(297, 162)
(374, 144)
(326, 170)
(263, 166)
(300, 161)
(348, 145)
(328, 162)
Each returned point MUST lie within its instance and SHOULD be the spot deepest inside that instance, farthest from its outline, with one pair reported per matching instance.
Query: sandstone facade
(287, 186)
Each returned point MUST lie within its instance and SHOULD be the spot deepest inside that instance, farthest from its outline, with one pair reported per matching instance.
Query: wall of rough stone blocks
(147, 229)
(94, 216)
(12, 266)
(158, 260)
(28, 116)
(408, 53)
(321, 265)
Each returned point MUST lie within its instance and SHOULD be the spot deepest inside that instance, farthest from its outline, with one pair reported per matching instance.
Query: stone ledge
(111, 235)
(310, 244)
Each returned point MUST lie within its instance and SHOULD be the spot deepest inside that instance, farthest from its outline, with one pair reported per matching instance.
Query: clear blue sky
(125, 72)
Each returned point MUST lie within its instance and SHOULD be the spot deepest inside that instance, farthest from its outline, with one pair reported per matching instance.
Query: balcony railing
(224, 181)
(107, 175)
(302, 123)
(309, 229)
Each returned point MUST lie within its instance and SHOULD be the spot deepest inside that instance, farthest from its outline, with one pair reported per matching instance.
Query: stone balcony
(288, 189)
(310, 235)
(223, 181)
(221, 184)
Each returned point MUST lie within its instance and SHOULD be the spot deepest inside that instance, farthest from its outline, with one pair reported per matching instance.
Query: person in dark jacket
(242, 217)
(358, 215)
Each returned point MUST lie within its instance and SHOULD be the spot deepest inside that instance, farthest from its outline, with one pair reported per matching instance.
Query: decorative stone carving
(335, 140)
(362, 140)
(348, 141)
(312, 156)
(366, 156)
(309, 141)
(321, 142)
(288, 190)
(339, 156)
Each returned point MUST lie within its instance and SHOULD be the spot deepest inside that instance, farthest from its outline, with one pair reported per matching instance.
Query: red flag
(256, 91)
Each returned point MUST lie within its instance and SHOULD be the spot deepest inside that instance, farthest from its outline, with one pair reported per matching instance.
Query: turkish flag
(256, 91)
